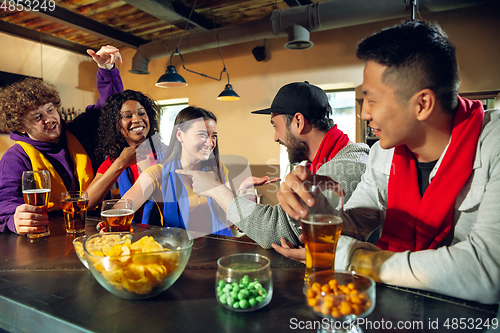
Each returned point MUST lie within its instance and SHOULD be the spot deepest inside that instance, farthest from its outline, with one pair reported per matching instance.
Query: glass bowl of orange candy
(138, 265)
(341, 296)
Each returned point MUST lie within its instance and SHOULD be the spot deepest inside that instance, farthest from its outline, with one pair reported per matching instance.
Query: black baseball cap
(301, 97)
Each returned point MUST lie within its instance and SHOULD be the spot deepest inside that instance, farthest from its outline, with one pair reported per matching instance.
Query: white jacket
(468, 266)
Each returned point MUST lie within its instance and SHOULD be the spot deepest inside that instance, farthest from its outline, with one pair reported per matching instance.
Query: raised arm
(108, 77)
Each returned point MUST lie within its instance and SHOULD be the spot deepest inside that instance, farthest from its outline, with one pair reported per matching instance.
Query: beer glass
(36, 192)
(321, 229)
(74, 205)
(117, 214)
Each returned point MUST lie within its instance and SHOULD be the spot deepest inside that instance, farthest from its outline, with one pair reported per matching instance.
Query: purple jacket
(84, 127)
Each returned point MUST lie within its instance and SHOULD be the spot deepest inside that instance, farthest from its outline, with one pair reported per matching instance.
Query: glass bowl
(244, 282)
(342, 297)
(78, 245)
(139, 265)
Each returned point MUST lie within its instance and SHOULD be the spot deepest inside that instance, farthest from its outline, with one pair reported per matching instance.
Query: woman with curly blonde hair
(29, 111)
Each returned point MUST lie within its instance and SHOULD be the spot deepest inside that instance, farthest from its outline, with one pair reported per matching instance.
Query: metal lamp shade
(228, 94)
(171, 79)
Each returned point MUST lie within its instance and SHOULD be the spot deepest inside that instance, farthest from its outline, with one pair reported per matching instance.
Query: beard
(298, 150)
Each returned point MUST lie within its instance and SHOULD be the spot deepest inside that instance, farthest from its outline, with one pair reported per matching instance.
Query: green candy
(241, 294)
(243, 304)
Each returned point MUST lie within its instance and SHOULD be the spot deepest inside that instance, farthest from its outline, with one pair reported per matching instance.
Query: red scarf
(417, 223)
(333, 142)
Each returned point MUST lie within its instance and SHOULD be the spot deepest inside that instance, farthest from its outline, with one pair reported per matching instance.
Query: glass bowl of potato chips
(78, 245)
(140, 264)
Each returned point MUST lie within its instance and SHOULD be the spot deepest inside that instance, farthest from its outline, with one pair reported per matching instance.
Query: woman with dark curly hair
(129, 118)
(193, 146)
(29, 111)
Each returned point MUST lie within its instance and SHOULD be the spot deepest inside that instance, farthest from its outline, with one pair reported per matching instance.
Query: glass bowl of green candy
(244, 282)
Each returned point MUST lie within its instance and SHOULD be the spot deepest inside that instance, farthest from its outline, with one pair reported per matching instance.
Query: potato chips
(137, 267)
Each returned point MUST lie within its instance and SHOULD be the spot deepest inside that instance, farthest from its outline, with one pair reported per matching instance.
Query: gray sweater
(267, 224)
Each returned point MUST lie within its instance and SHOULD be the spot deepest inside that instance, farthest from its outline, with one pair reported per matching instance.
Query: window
(169, 110)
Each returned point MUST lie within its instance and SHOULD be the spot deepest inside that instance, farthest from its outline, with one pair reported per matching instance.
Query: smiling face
(42, 124)
(134, 122)
(297, 150)
(198, 141)
(392, 122)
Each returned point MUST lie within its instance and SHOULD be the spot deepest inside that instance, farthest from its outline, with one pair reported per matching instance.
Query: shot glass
(74, 205)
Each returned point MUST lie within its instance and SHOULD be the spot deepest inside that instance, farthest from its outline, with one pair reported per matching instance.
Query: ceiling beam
(95, 28)
(41, 37)
(295, 3)
(173, 12)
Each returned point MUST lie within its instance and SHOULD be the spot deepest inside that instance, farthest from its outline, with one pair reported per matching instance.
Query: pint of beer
(36, 192)
(322, 227)
(321, 233)
(117, 214)
(74, 205)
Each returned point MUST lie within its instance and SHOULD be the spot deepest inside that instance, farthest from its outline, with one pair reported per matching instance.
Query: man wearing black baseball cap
(300, 114)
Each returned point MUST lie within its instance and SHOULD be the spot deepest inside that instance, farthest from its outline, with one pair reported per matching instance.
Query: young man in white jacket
(432, 183)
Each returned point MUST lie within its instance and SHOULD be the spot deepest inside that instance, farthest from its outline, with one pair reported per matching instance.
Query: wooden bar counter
(45, 288)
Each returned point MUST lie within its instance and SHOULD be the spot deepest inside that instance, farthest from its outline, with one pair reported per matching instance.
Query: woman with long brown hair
(193, 146)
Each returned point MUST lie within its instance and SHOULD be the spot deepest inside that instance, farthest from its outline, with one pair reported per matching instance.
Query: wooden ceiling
(80, 24)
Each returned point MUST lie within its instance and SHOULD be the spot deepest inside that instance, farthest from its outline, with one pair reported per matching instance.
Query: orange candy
(325, 299)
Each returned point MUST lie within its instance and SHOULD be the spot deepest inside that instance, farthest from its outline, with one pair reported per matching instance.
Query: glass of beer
(117, 214)
(74, 205)
(36, 192)
(321, 229)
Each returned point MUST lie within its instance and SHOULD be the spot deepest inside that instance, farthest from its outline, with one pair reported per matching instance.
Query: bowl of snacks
(244, 282)
(139, 265)
(78, 245)
(340, 296)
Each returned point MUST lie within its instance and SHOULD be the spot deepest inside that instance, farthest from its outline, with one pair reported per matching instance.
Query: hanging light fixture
(228, 94)
(171, 78)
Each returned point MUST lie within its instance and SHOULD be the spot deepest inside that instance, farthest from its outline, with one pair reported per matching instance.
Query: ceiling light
(228, 94)
(171, 79)
(298, 38)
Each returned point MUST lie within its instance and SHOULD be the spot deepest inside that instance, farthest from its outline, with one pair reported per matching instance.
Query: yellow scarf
(81, 161)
